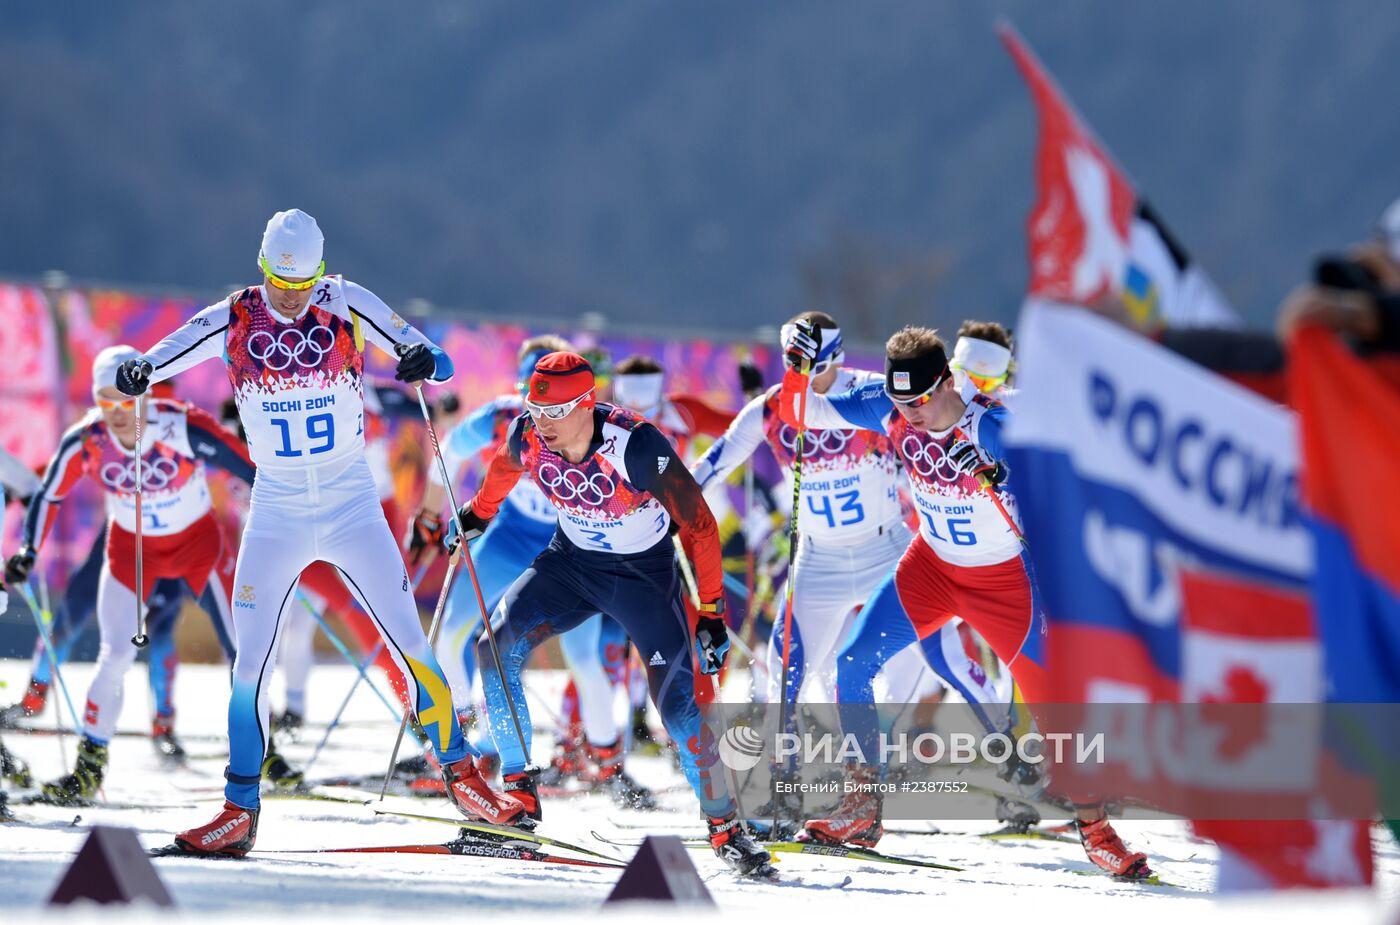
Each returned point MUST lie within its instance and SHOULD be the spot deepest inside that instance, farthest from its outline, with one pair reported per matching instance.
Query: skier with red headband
(618, 486)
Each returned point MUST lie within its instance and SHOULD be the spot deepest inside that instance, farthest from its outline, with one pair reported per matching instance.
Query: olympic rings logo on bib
(928, 459)
(291, 346)
(815, 442)
(156, 474)
(573, 484)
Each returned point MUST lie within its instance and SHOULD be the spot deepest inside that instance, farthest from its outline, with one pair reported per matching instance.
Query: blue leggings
(501, 555)
(881, 631)
(642, 591)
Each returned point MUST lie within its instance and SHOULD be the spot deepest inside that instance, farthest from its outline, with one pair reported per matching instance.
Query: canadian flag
(1092, 235)
(1245, 643)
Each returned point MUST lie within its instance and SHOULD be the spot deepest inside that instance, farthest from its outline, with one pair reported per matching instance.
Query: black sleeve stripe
(356, 312)
(193, 346)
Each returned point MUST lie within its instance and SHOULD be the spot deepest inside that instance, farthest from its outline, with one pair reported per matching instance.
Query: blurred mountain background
(699, 165)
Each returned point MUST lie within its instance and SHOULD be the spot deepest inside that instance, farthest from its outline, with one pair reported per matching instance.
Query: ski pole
(335, 721)
(694, 588)
(798, 448)
(471, 572)
(140, 640)
(344, 650)
(34, 610)
(432, 638)
(363, 667)
(991, 491)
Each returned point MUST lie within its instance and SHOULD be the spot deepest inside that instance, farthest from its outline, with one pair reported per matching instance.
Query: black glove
(711, 643)
(133, 377)
(969, 458)
(802, 347)
(416, 363)
(473, 524)
(750, 378)
(423, 538)
(18, 566)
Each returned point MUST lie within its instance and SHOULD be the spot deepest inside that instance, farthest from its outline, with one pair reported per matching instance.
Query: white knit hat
(292, 245)
(104, 365)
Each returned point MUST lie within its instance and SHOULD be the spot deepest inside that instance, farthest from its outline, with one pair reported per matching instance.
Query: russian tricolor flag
(1349, 428)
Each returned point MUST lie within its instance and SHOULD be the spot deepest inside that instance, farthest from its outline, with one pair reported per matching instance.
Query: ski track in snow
(1012, 878)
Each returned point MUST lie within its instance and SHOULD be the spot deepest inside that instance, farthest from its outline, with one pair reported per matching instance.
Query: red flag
(1092, 235)
(1084, 206)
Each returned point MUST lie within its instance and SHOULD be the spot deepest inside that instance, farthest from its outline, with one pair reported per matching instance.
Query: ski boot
(423, 775)
(1016, 816)
(14, 770)
(288, 726)
(79, 787)
(733, 845)
(568, 758)
(5, 814)
(31, 704)
(232, 833)
(163, 738)
(857, 820)
(522, 787)
(278, 772)
(1107, 851)
(616, 782)
(785, 804)
(644, 741)
(1028, 779)
(475, 799)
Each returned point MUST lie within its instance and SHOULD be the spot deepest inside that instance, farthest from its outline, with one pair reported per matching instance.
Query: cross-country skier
(982, 357)
(966, 560)
(597, 651)
(294, 349)
(323, 587)
(181, 538)
(852, 532)
(79, 606)
(618, 486)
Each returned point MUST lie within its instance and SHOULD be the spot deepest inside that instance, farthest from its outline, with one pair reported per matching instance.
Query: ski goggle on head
(986, 383)
(555, 412)
(280, 283)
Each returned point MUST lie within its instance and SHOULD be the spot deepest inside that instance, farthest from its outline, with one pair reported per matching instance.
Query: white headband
(981, 357)
(638, 391)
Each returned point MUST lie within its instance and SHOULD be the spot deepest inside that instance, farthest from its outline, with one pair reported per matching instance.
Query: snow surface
(1001, 881)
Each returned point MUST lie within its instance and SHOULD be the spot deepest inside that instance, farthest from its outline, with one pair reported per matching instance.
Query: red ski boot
(1106, 849)
(232, 833)
(522, 787)
(857, 820)
(31, 704)
(474, 797)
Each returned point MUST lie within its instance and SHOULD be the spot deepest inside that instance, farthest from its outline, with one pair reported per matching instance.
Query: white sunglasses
(554, 412)
(822, 366)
